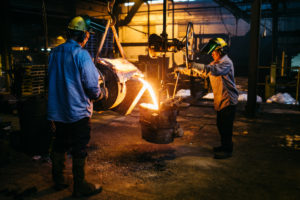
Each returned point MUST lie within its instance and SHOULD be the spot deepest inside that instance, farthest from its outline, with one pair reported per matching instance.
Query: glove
(182, 70)
(198, 66)
(104, 93)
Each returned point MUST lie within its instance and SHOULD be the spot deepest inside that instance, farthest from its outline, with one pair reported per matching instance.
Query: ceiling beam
(234, 9)
(131, 13)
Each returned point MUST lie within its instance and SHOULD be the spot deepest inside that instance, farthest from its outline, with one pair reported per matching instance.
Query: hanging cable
(265, 30)
(137, 30)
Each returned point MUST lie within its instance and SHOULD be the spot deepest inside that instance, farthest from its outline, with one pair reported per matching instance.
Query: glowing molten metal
(153, 106)
(146, 86)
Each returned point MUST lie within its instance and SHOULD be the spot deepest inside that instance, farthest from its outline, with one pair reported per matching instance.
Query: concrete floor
(265, 164)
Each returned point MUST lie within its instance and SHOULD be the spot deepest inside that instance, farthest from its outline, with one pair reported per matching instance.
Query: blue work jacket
(73, 83)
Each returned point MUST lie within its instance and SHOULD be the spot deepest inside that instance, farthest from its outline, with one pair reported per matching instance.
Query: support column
(274, 31)
(46, 53)
(5, 42)
(164, 36)
(254, 57)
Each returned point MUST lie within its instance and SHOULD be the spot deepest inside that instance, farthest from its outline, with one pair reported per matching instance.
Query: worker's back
(73, 81)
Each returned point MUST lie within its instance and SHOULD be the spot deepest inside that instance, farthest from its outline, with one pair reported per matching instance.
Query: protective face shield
(215, 44)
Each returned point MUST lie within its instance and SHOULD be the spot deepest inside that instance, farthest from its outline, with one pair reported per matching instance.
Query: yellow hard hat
(215, 44)
(78, 24)
(221, 43)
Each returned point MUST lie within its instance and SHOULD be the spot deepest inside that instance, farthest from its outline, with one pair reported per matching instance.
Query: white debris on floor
(209, 96)
(242, 97)
(183, 93)
(283, 98)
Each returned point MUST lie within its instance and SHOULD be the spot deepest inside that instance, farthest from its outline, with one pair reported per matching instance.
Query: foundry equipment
(159, 44)
(126, 86)
(116, 72)
(118, 75)
(160, 125)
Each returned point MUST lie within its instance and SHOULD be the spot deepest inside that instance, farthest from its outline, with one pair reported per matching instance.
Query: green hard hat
(214, 44)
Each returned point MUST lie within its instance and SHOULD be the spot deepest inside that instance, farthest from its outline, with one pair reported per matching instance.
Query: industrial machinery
(117, 75)
(116, 72)
(159, 44)
(160, 126)
(126, 85)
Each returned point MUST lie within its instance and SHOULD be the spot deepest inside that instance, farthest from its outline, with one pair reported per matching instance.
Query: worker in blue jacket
(73, 85)
(221, 75)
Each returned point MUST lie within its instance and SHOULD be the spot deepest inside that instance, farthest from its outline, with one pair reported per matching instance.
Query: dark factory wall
(239, 52)
(26, 25)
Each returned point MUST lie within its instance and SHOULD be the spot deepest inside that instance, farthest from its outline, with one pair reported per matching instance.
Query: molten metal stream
(146, 86)
(153, 106)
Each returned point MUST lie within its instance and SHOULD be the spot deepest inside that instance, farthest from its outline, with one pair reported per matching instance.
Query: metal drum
(116, 72)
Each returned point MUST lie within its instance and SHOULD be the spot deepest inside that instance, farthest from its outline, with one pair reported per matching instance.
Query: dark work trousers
(72, 136)
(225, 118)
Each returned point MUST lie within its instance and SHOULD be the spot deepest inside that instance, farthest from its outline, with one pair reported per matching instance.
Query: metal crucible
(160, 126)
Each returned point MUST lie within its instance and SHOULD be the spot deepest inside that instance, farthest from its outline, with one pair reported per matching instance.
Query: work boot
(223, 152)
(222, 155)
(218, 149)
(81, 186)
(58, 167)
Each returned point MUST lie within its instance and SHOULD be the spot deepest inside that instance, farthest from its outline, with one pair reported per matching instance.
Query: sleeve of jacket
(89, 76)
(219, 69)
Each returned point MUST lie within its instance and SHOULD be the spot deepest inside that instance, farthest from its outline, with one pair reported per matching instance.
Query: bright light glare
(137, 98)
(129, 4)
(146, 86)
(152, 94)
